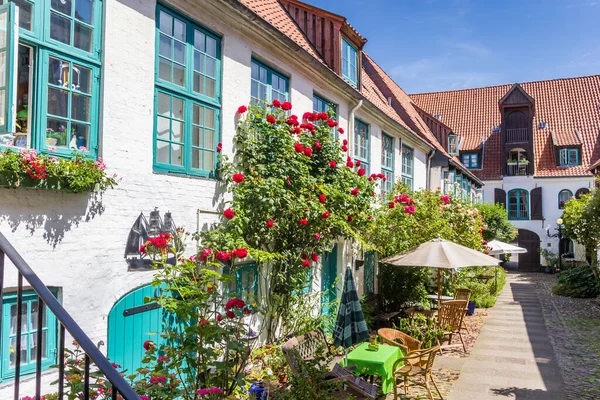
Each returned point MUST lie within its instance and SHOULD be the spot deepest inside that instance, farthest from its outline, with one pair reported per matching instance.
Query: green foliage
(484, 294)
(29, 169)
(421, 328)
(289, 202)
(580, 282)
(497, 226)
(582, 221)
(403, 285)
(550, 257)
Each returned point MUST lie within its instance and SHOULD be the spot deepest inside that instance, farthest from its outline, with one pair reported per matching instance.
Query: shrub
(580, 282)
(421, 328)
(401, 286)
(482, 293)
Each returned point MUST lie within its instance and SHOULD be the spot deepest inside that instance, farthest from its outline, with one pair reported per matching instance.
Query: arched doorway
(131, 322)
(530, 261)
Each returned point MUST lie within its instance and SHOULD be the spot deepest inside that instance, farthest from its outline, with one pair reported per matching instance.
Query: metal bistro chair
(450, 319)
(464, 294)
(416, 370)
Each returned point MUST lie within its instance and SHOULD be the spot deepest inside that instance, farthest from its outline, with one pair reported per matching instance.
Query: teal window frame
(196, 135)
(29, 297)
(515, 212)
(43, 46)
(452, 144)
(271, 82)
(320, 104)
(408, 166)
(564, 196)
(387, 163)
(449, 179)
(569, 157)
(362, 152)
(237, 287)
(349, 62)
(470, 160)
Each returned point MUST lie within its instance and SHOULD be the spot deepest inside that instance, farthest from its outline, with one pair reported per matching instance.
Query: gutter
(428, 171)
(351, 119)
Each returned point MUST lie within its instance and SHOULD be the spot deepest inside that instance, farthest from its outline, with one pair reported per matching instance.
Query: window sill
(184, 175)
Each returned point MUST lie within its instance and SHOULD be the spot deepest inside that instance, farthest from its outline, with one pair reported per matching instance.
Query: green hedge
(581, 282)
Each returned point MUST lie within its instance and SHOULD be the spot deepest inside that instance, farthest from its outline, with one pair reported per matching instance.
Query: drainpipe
(428, 172)
(351, 126)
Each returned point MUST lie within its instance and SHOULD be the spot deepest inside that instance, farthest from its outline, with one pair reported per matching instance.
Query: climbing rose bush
(295, 190)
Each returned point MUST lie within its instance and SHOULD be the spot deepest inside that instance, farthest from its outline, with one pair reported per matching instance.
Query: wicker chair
(394, 337)
(416, 369)
(450, 319)
(463, 294)
(313, 345)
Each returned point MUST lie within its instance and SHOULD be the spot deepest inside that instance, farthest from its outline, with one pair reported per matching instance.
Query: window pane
(178, 30)
(83, 37)
(198, 83)
(25, 13)
(163, 128)
(84, 10)
(58, 72)
(80, 107)
(164, 104)
(165, 47)
(58, 102)
(33, 350)
(176, 154)
(211, 67)
(64, 6)
(177, 131)
(211, 46)
(196, 136)
(177, 108)
(179, 52)
(209, 161)
(162, 152)
(178, 75)
(209, 139)
(57, 133)
(196, 158)
(60, 28)
(82, 79)
(164, 70)
(2, 69)
(166, 23)
(199, 40)
(3, 29)
(81, 135)
(210, 87)
(209, 118)
(13, 349)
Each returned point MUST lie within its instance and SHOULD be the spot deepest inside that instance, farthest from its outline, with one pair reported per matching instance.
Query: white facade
(75, 242)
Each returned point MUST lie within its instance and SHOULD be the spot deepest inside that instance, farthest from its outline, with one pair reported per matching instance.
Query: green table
(380, 362)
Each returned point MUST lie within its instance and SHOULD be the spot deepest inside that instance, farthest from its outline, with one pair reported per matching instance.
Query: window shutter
(500, 197)
(536, 204)
(581, 192)
(8, 48)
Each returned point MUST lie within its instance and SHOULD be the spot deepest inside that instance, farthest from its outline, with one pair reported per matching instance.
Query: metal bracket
(140, 309)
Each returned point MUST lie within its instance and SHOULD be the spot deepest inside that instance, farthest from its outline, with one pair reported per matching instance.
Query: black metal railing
(120, 388)
(518, 135)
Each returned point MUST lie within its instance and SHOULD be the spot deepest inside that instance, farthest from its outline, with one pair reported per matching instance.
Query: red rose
(271, 119)
(308, 126)
(270, 223)
(308, 152)
(223, 255)
(286, 106)
(314, 257)
(344, 148)
(276, 103)
(205, 254)
(326, 215)
(349, 163)
(241, 252)
(323, 116)
(308, 116)
(229, 213)
(409, 209)
(380, 176)
(370, 178)
(304, 256)
(354, 192)
(322, 198)
(391, 204)
(242, 109)
(148, 344)
(219, 147)
(303, 221)
(292, 120)
(305, 263)
(296, 130)
(298, 147)
(384, 178)
(317, 145)
(230, 314)
(317, 236)
(238, 178)
(345, 142)
(370, 217)
(203, 322)
(246, 310)
(358, 163)
(332, 164)
(219, 317)
(350, 218)
(331, 123)
(445, 199)
(361, 171)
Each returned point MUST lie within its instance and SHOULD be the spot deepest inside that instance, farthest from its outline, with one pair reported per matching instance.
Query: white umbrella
(439, 253)
(498, 247)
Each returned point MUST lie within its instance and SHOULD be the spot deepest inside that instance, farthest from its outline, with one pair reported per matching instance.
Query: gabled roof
(570, 107)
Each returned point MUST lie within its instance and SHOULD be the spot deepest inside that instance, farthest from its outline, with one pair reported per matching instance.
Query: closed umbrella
(498, 247)
(439, 253)
(350, 326)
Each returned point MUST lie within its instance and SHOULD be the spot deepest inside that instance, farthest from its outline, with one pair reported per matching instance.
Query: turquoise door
(130, 323)
(328, 277)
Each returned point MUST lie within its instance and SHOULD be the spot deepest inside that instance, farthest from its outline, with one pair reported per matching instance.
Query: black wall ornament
(141, 231)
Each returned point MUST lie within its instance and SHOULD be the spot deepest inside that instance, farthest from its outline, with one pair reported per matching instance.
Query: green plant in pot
(22, 117)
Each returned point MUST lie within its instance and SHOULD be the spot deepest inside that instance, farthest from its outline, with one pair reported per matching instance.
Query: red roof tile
(570, 107)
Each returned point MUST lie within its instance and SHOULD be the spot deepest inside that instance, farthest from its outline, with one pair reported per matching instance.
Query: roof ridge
(507, 84)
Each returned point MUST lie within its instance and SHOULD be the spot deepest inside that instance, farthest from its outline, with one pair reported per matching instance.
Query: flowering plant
(27, 168)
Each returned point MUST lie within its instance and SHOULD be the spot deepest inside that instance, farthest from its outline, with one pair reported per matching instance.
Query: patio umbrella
(498, 247)
(350, 326)
(441, 254)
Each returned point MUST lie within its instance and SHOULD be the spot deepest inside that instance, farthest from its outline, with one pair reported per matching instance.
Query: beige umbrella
(439, 253)
(498, 247)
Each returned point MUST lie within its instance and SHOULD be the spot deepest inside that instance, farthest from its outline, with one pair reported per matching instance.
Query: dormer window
(349, 62)
(452, 144)
(568, 157)
(470, 160)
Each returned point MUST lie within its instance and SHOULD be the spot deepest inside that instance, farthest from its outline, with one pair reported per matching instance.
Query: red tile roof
(570, 107)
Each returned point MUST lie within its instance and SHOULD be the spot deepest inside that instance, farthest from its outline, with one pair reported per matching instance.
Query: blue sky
(432, 45)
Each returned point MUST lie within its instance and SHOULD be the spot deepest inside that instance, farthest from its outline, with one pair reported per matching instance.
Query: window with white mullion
(361, 143)
(407, 166)
(387, 163)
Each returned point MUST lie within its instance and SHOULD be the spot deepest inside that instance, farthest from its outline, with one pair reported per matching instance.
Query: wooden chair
(450, 319)
(416, 369)
(464, 294)
(312, 346)
(394, 337)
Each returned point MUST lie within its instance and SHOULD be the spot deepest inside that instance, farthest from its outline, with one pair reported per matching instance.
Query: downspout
(428, 172)
(351, 126)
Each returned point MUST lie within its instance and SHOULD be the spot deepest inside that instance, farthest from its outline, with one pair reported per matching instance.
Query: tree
(496, 224)
(582, 222)
(294, 192)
